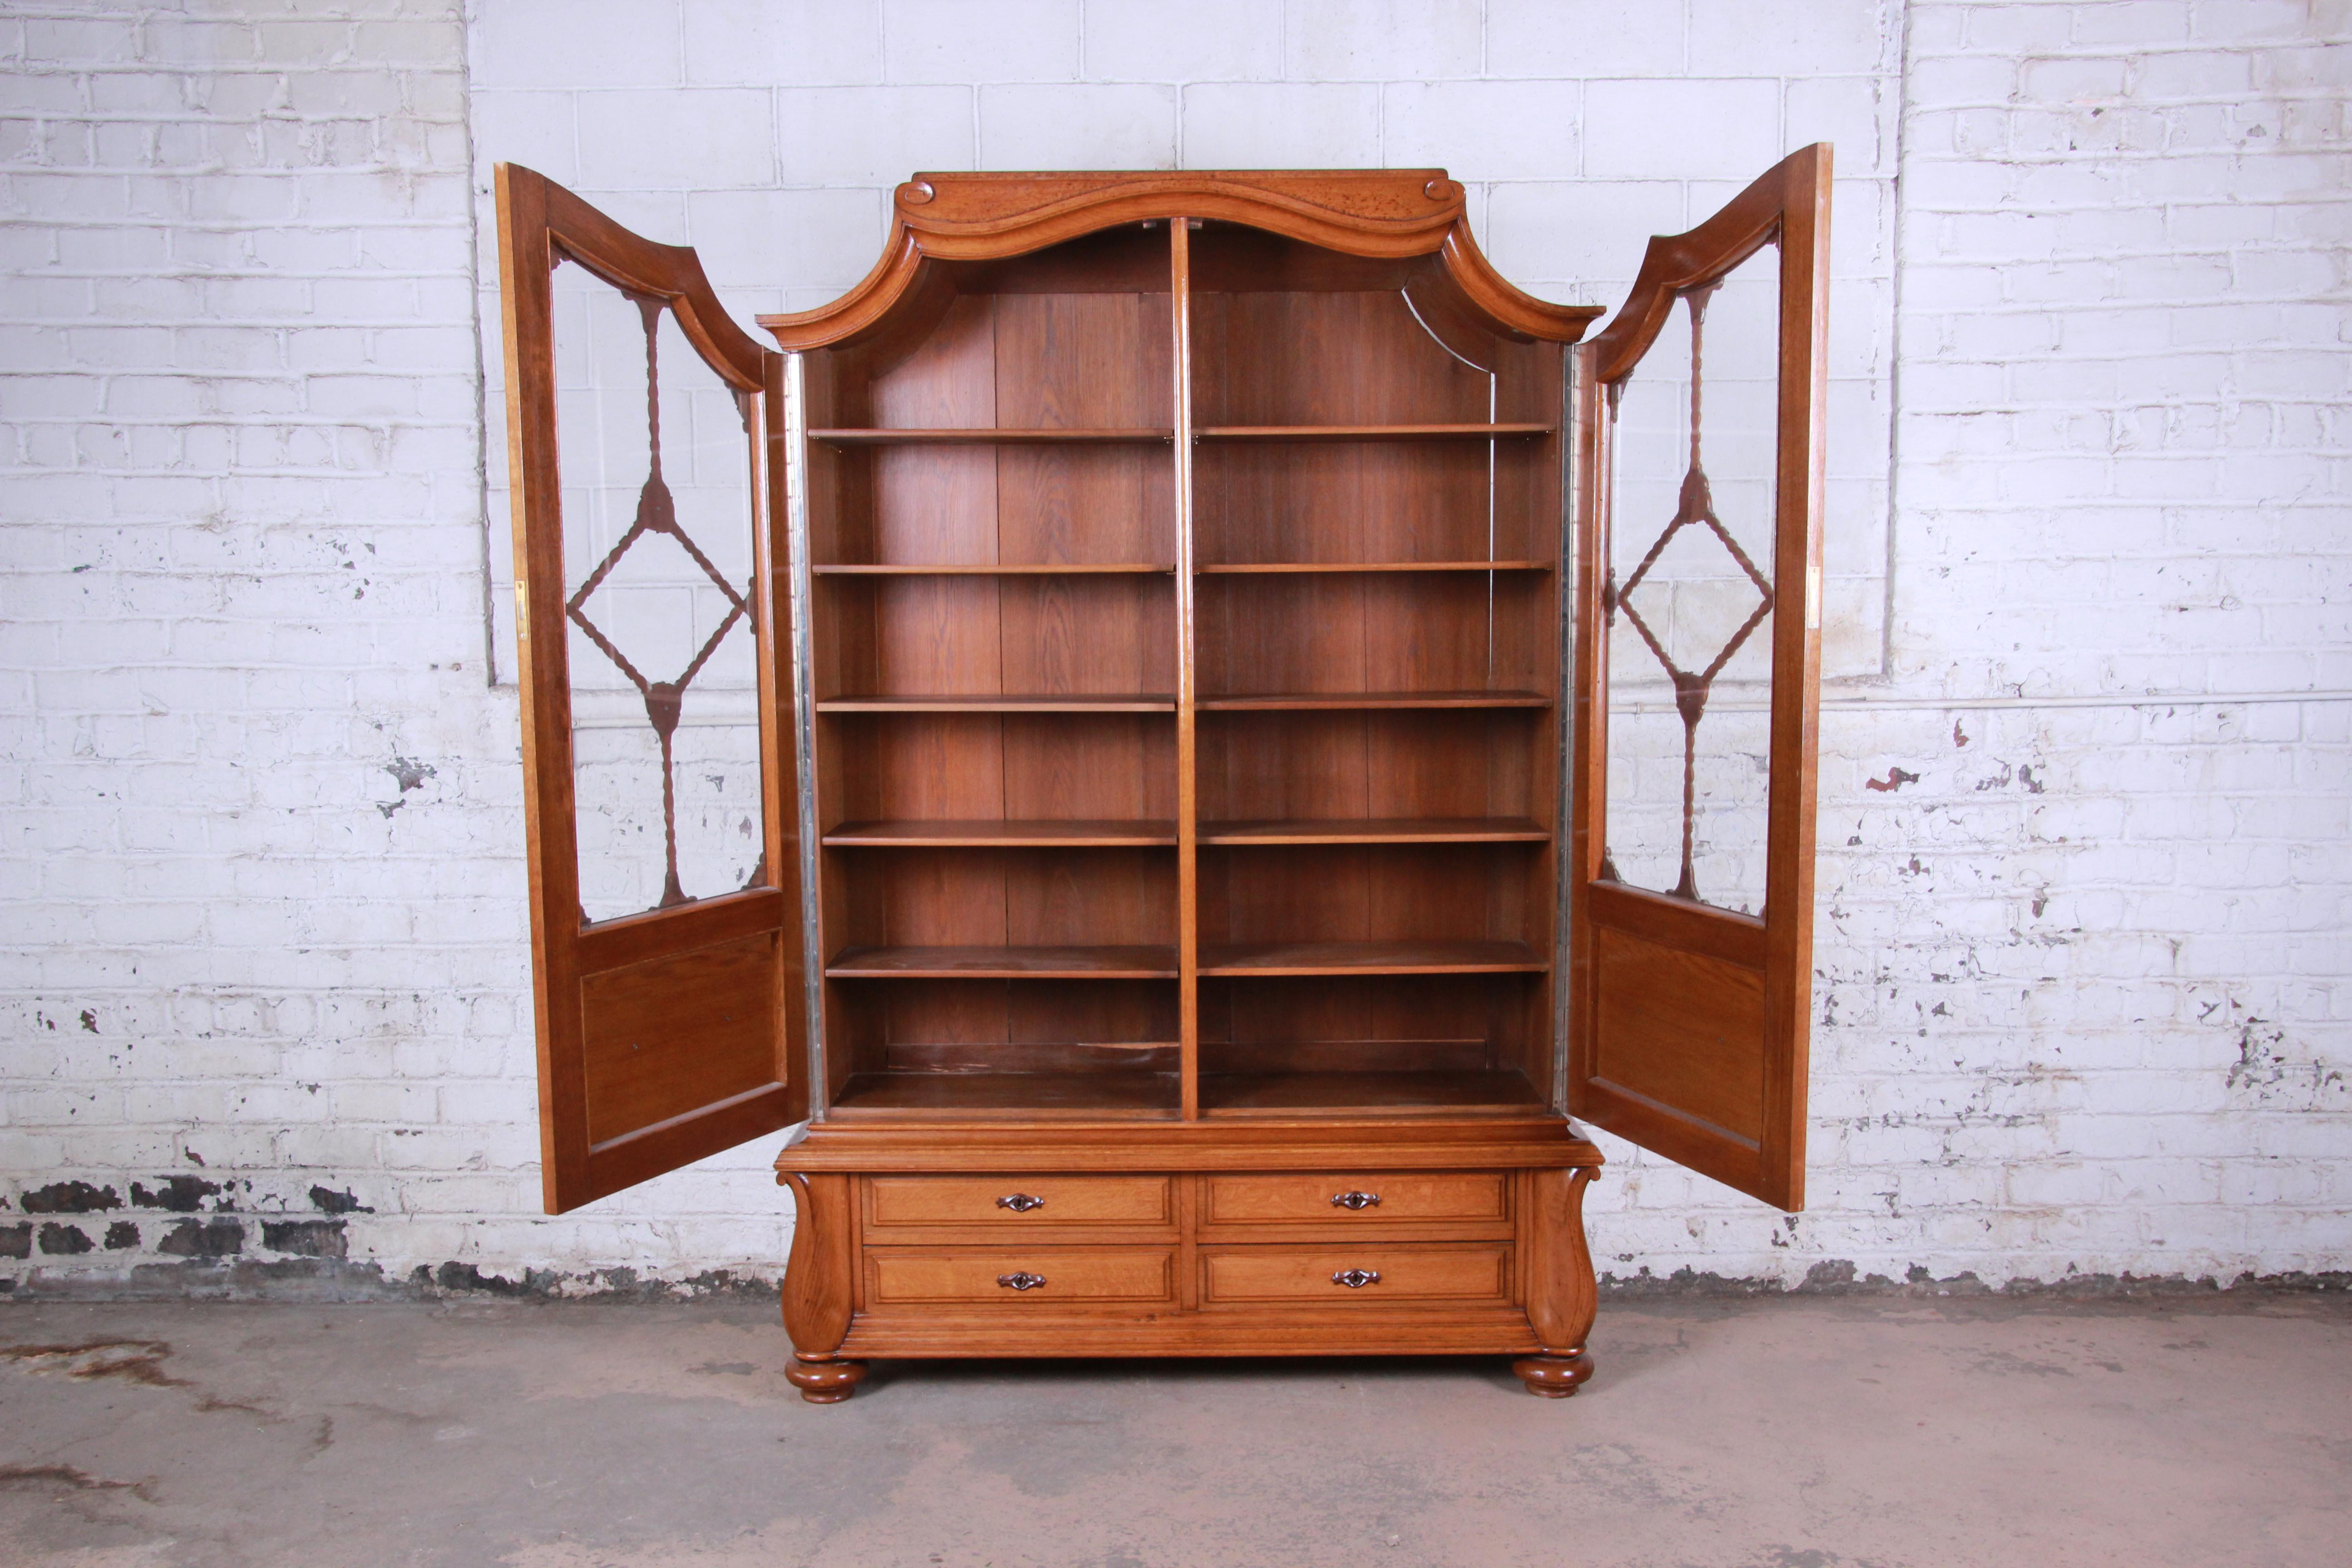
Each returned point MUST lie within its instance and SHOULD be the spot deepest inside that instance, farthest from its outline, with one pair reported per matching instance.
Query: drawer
(1358, 1199)
(1023, 1203)
(1461, 1272)
(1019, 1276)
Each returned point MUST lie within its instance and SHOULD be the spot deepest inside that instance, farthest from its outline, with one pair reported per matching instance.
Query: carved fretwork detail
(658, 513)
(1696, 508)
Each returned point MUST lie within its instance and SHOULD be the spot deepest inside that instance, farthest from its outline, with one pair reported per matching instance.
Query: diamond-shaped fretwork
(1696, 510)
(658, 513)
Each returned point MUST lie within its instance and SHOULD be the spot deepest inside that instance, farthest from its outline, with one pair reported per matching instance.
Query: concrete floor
(1804, 1432)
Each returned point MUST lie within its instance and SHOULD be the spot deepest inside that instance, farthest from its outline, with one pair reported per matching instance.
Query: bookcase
(1161, 628)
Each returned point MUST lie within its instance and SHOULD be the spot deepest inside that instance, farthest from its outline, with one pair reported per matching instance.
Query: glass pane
(657, 560)
(1690, 596)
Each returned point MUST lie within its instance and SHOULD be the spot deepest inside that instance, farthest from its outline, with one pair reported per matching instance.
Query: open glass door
(660, 789)
(1700, 412)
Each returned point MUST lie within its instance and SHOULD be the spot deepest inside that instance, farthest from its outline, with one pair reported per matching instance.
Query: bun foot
(825, 1382)
(1554, 1376)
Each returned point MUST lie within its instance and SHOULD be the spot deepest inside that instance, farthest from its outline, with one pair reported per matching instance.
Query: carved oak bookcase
(1186, 730)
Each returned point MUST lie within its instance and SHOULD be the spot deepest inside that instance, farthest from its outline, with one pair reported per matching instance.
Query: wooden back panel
(1350, 454)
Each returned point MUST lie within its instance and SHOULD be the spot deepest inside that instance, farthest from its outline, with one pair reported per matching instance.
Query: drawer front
(1019, 1276)
(1018, 1203)
(1462, 1272)
(1357, 1200)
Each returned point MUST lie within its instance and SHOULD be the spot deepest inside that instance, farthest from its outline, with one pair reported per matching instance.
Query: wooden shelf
(1378, 830)
(1307, 1093)
(1276, 568)
(1010, 1094)
(992, 438)
(1120, 568)
(1107, 703)
(1278, 958)
(1368, 432)
(1003, 964)
(1318, 699)
(996, 835)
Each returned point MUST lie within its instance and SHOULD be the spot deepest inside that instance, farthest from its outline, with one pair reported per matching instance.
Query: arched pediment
(1372, 213)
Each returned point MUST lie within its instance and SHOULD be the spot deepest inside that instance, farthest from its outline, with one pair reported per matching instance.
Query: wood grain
(1681, 1030)
(1309, 700)
(1044, 1203)
(1188, 679)
(1532, 1137)
(992, 569)
(1148, 702)
(1372, 957)
(1048, 418)
(1378, 830)
(981, 833)
(1562, 1298)
(1402, 1197)
(1010, 1097)
(656, 1044)
(1295, 433)
(1407, 1271)
(1339, 1094)
(1714, 1074)
(940, 218)
(897, 1276)
(666, 1038)
(816, 1290)
(1004, 962)
(1278, 567)
(990, 435)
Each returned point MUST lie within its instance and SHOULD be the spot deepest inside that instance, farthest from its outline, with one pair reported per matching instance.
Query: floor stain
(36, 1477)
(131, 1360)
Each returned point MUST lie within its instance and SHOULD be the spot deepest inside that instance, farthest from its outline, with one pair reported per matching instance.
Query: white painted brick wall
(2082, 1002)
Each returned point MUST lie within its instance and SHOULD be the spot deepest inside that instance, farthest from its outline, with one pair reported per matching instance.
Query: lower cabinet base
(1552, 1376)
(1492, 1333)
(825, 1382)
(928, 1253)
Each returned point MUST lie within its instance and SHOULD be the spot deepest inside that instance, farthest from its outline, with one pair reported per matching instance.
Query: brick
(676, 139)
(1236, 125)
(2120, 382)
(872, 136)
(537, 129)
(1592, 232)
(1011, 40)
(797, 43)
(1374, 40)
(574, 44)
(1570, 38)
(1856, 116)
(1215, 40)
(1483, 130)
(1789, 37)
(1728, 129)
(1078, 127)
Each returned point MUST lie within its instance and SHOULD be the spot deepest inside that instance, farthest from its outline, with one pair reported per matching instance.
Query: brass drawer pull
(1355, 1200)
(1022, 1281)
(1356, 1279)
(1022, 1203)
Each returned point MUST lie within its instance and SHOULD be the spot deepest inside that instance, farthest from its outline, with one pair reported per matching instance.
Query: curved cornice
(576, 231)
(1380, 213)
(1796, 187)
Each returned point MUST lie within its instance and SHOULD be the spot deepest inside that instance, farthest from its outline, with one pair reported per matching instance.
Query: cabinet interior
(1185, 645)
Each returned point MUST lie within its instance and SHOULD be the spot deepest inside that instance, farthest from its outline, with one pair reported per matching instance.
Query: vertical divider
(797, 662)
(1594, 410)
(1188, 940)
